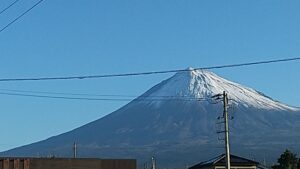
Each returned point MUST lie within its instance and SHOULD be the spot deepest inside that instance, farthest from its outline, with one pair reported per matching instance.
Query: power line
(148, 73)
(92, 95)
(9, 6)
(20, 16)
(102, 99)
(169, 145)
(62, 97)
(73, 94)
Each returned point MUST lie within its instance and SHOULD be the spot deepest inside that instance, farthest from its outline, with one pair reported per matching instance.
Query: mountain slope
(176, 121)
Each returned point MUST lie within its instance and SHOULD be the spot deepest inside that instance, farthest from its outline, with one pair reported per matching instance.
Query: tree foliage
(287, 160)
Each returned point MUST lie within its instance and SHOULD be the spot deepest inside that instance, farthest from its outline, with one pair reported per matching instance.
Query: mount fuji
(177, 122)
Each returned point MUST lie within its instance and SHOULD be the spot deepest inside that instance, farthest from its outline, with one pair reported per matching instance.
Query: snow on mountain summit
(205, 84)
(170, 127)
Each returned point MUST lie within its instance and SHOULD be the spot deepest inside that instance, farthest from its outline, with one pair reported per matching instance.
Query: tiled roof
(220, 160)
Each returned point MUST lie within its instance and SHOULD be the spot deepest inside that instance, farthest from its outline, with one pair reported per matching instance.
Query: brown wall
(119, 164)
(67, 163)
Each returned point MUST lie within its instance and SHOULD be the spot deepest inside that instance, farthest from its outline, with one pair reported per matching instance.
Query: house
(65, 163)
(219, 163)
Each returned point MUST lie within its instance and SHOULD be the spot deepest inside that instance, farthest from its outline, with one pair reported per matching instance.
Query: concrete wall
(66, 163)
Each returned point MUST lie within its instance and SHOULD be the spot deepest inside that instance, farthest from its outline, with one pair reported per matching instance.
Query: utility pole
(153, 163)
(75, 150)
(225, 115)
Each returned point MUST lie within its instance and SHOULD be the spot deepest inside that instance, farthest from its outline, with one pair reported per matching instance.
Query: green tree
(287, 160)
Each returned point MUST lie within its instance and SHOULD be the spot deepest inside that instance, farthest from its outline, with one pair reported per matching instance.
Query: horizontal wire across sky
(147, 73)
(118, 97)
(140, 98)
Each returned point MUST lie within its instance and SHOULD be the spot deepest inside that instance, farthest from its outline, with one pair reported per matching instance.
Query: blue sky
(66, 38)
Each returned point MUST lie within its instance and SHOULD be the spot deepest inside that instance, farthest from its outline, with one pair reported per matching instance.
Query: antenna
(145, 165)
(153, 163)
(75, 150)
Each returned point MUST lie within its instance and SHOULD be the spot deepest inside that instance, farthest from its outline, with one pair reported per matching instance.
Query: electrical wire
(148, 73)
(101, 99)
(62, 97)
(9, 6)
(75, 94)
(20, 16)
(169, 145)
(92, 95)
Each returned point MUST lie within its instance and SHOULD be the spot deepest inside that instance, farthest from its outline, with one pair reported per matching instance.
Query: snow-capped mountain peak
(172, 128)
(205, 84)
